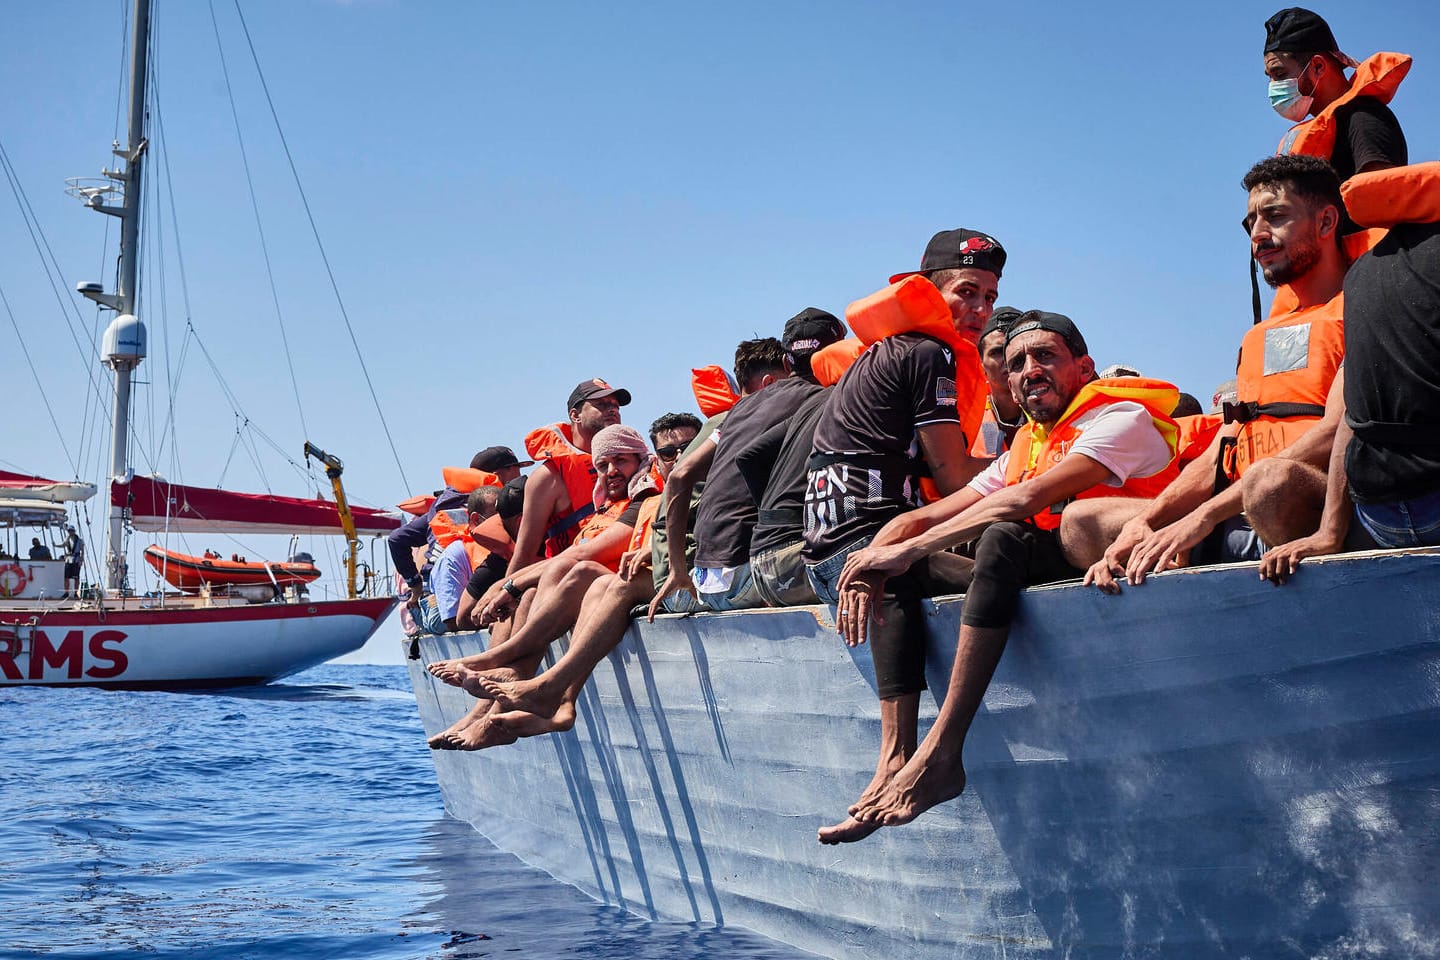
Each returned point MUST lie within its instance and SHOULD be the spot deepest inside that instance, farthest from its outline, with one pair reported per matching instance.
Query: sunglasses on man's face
(669, 452)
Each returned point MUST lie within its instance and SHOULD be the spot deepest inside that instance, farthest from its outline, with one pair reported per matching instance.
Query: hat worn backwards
(1052, 322)
(811, 329)
(1001, 318)
(959, 249)
(497, 458)
(1297, 30)
(596, 389)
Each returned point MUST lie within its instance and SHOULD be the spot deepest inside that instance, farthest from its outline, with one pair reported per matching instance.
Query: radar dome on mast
(124, 340)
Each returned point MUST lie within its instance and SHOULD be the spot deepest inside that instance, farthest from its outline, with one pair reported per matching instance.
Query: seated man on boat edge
(1385, 462)
(499, 463)
(1087, 438)
(722, 578)
(546, 703)
(573, 590)
(459, 559)
(909, 405)
(1273, 449)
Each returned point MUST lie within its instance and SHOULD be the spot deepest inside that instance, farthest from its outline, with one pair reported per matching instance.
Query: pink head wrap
(618, 438)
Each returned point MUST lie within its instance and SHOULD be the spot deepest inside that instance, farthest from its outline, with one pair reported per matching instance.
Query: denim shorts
(825, 574)
(1405, 523)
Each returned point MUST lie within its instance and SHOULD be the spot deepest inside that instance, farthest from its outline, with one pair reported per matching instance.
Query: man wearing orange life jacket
(552, 593)
(1350, 124)
(558, 497)
(1385, 464)
(452, 569)
(498, 463)
(547, 703)
(1085, 438)
(1275, 445)
(899, 410)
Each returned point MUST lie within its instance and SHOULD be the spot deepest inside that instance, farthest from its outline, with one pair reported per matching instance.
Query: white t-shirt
(1119, 436)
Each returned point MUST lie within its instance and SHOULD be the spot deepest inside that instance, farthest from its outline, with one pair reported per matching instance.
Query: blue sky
(517, 196)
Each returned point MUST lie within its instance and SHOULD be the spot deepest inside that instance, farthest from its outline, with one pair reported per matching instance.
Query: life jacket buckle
(1242, 412)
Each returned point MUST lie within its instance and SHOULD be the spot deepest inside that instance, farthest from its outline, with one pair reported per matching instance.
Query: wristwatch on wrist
(509, 587)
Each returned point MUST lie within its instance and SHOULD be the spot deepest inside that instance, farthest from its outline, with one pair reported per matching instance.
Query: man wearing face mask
(1349, 123)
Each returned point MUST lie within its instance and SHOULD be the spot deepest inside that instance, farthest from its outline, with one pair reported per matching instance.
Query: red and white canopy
(156, 505)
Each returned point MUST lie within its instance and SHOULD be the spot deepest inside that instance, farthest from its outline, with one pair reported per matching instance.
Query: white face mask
(1287, 101)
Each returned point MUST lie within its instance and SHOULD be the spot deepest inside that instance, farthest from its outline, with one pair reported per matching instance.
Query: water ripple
(296, 820)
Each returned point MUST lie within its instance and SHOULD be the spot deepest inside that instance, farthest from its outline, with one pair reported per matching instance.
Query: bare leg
(605, 618)
(449, 670)
(555, 610)
(936, 772)
(899, 719)
(1283, 499)
(1088, 527)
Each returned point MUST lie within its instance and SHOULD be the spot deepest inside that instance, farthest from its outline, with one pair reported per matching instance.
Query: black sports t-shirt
(774, 467)
(727, 511)
(1366, 131)
(866, 464)
(1392, 367)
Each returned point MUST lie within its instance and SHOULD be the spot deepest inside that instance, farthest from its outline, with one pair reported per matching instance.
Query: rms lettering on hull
(50, 659)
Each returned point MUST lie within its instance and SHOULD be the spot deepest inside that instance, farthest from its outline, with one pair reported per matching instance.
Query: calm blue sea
(300, 819)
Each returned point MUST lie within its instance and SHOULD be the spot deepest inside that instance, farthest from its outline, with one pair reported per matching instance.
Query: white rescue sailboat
(110, 636)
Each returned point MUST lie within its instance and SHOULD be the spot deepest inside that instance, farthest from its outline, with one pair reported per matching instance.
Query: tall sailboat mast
(124, 344)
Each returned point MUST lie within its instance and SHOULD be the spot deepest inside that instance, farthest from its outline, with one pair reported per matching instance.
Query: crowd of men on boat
(940, 444)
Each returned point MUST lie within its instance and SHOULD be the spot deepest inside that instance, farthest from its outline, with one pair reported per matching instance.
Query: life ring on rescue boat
(12, 580)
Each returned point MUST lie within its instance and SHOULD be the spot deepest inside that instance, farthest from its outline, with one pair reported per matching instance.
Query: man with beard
(1273, 459)
(1087, 437)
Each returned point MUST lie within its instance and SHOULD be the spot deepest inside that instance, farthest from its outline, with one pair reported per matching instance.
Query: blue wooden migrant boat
(1206, 766)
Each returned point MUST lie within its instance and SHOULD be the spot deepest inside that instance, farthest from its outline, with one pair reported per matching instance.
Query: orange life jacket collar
(1378, 77)
(1037, 449)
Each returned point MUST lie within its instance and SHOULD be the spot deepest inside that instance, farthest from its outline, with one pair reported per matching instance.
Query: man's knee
(582, 573)
(1002, 543)
(1275, 483)
(1088, 527)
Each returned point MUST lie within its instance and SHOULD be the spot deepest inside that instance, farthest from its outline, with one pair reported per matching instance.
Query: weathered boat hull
(129, 646)
(1207, 766)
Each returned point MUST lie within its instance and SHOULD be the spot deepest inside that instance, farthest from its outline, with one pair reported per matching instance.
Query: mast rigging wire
(314, 229)
(259, 225)
(44, 397)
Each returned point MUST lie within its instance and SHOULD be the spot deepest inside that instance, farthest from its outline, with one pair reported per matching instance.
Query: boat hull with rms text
(1205, 766)
(124, 644)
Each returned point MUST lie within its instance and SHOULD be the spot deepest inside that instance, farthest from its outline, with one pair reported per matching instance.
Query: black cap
(1297, 30)
(595, 390)
(811, 329)
(1001, 319)
(1053, 322)
(959, 249)
(512, 498)
(497, 458)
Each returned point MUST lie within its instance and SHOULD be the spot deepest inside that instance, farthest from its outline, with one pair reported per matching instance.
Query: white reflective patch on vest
(1287, 348)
